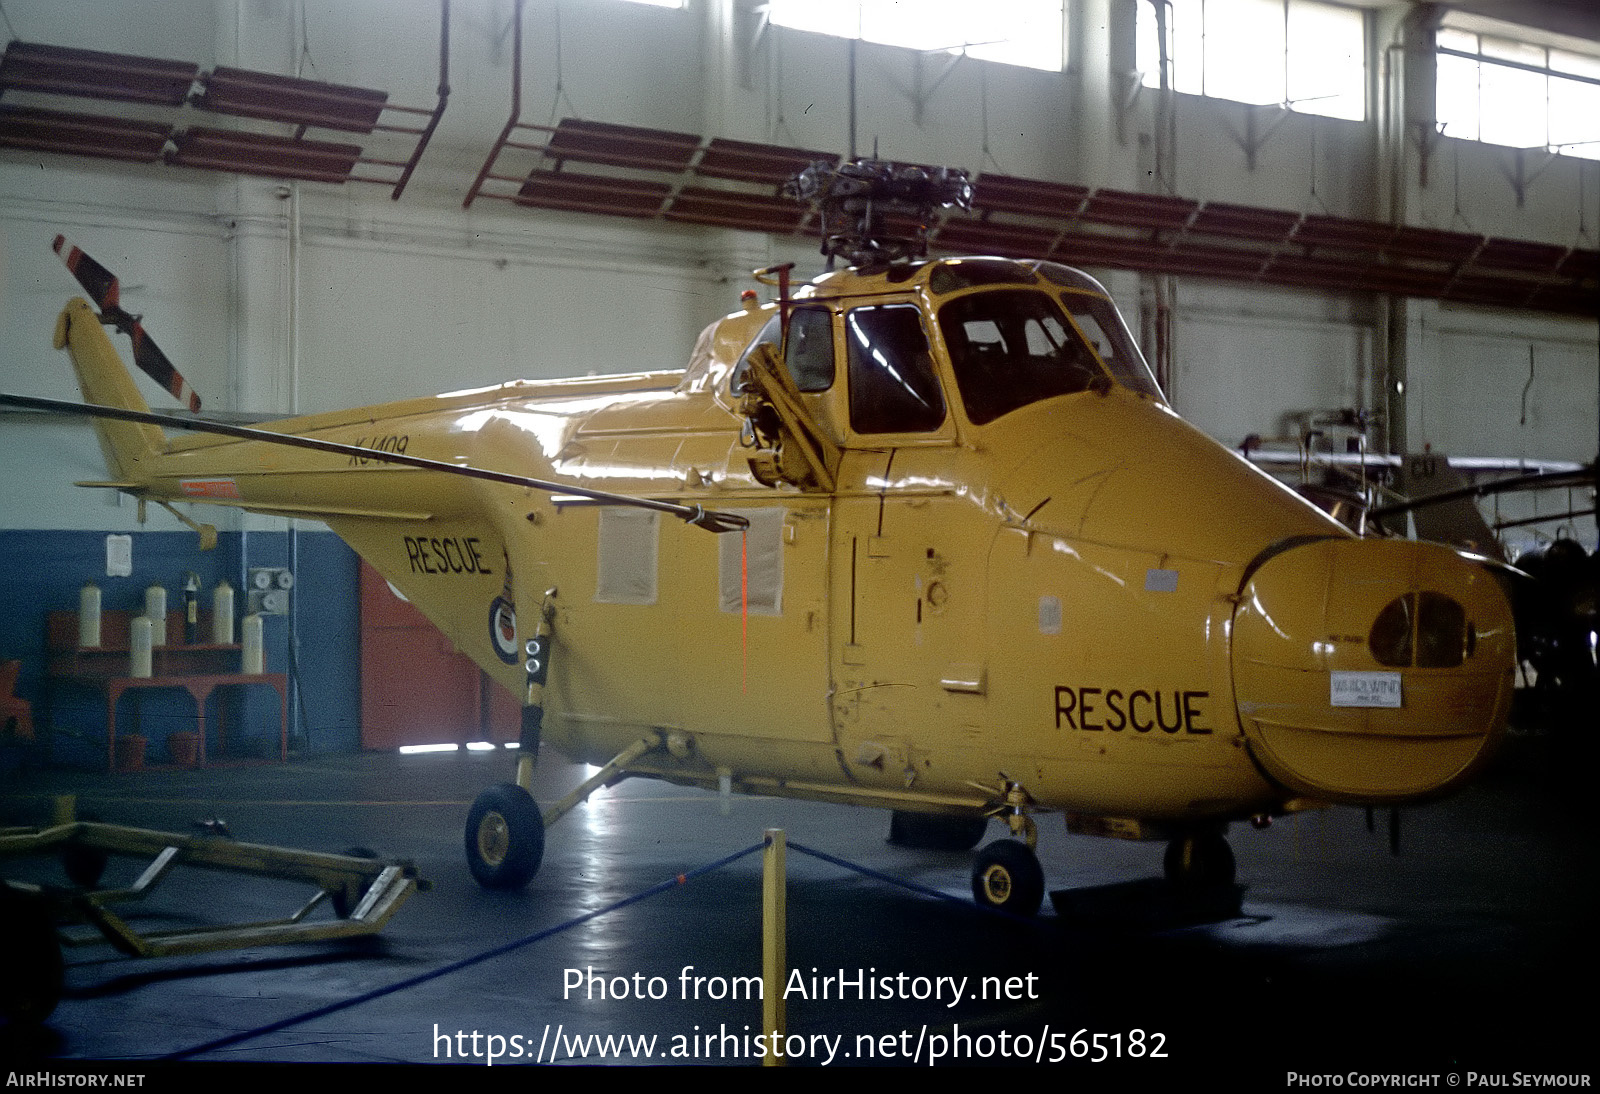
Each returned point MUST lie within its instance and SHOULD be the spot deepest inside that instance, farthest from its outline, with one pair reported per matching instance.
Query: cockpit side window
(1102, 327)
(1010, 348)
(771, 335)
(809, 352)
(893, 385)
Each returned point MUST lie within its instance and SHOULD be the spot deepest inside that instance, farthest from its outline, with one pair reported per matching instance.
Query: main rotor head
(875, 212)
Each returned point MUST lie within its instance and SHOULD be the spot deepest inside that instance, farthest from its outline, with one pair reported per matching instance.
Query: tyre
(83, 865)
(1006, 875)
(504, 837)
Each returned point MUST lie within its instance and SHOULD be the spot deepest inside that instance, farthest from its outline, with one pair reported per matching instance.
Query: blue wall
(44, 571)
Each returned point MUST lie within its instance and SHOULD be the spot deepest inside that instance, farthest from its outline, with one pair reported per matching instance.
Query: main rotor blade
(106, 292)
(1539, 480)
(714, 520)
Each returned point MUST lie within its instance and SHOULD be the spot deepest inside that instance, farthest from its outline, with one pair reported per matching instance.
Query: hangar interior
(278, 292)
(278, 296)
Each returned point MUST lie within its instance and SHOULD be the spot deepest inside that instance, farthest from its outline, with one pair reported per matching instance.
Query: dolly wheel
(31, 987)
(504, 837)
(1007, 875)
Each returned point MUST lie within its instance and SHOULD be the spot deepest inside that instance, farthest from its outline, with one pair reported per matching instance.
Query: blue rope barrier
(516, 944)
(465, 962)
(867, 871)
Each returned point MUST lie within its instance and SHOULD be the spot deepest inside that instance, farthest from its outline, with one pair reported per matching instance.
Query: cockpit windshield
(1013, 347)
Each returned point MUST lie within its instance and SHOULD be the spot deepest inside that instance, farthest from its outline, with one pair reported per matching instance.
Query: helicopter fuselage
(1016, 570)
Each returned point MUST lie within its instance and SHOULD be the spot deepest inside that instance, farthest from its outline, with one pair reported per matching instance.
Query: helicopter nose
(1372, 671)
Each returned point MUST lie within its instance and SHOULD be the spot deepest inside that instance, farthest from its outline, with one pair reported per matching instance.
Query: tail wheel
(504, 837)
(1199, 861)
(1006, 875)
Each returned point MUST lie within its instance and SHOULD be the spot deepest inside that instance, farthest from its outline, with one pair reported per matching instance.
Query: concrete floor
(1469, 952)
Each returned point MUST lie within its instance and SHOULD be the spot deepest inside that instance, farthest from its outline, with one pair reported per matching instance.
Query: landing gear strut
(1006, 874)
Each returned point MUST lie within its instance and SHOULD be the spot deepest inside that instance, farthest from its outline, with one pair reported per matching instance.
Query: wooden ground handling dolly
(363, 890)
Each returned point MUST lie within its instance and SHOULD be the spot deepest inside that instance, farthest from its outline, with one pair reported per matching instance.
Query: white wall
(403, 298)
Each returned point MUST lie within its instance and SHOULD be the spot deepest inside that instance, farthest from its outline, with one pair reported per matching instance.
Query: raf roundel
(503, 629)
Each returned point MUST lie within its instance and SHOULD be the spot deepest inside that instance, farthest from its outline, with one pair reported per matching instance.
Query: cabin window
(893, 386)
(628, 546)
(750, 566)
(809, 352)
(1010, 348)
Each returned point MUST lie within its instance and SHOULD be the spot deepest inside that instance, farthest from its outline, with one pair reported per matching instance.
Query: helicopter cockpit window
(809, 353)
(1010, 348)
(893, 386)
(1103, 328)
(970, 273)
(771, 335)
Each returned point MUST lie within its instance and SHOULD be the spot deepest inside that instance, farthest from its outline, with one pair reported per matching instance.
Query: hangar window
(1030, 33)
(1306, 56)
(1514, 93)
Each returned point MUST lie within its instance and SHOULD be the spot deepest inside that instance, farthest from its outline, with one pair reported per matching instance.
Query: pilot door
(907, 586)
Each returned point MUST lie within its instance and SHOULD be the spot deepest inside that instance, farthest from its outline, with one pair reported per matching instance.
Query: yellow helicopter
(964, 562)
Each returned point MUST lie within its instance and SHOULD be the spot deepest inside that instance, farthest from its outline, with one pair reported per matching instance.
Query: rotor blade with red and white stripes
(103, 288)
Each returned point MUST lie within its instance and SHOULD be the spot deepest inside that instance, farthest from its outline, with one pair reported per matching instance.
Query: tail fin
(130, 448)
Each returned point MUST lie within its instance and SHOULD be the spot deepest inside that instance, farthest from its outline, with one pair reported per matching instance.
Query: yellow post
(774, 936)
(64, 809)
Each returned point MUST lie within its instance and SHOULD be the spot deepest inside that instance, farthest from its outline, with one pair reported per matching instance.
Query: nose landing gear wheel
(1006, 875)
(504, 837)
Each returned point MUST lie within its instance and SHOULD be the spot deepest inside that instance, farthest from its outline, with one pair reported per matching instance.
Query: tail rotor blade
(99, 282)
(102, 286)
(148, 356)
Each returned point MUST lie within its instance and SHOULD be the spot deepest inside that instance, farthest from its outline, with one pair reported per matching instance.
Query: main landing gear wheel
(504, 837)
(1006, 875)
(1199, 861)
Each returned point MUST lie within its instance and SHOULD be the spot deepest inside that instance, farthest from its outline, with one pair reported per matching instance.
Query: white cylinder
(255, 655)
(89, 616)
(141, 639)
(222, 614)
(155, 610)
